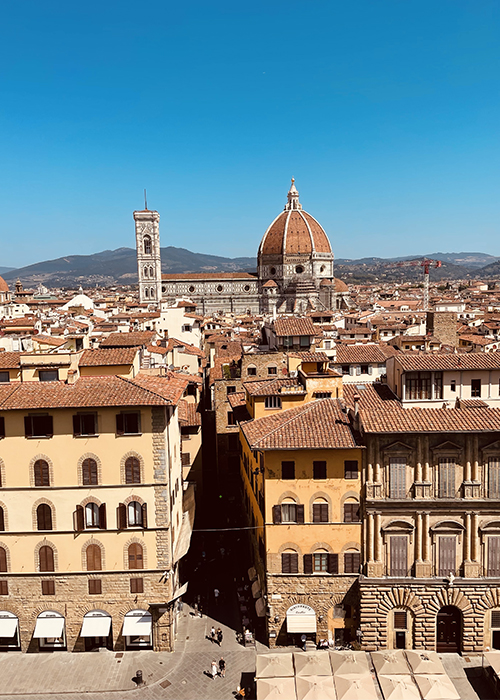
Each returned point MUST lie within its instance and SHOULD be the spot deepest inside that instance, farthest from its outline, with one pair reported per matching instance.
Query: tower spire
(293, 198)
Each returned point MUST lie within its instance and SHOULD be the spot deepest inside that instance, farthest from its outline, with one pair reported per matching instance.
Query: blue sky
(387, 113)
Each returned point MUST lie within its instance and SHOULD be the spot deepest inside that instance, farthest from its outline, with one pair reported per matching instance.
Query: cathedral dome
(294, 231)
(4, 287)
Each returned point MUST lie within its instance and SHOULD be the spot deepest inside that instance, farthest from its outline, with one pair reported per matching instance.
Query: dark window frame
(48, 375)
(81, 424)
(349, 471)
(319, 470)
(126, 420)
(287, 468)
(38, 426)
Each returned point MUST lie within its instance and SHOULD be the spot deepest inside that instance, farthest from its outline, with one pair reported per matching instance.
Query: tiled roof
(107, 356)
(189, 414)
(9, 360)
(462, 361)
(294, 232)
(49, 340)
(170, 388)
(236, 399)
(127, 340)
(310, 356)
(318, 424)
(373, 396)
(294, 326)
(4, 287)
(272, 387)
(89, 392)
(430, 420)
(347, 354)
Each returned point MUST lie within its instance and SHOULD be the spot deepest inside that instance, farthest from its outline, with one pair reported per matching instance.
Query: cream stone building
(93, 513)
(294, 270)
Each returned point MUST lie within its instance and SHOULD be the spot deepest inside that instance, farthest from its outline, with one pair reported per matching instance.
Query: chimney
(356, 405)
(72, 376)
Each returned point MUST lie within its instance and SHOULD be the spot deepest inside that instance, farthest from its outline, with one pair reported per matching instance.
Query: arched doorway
(449, 630)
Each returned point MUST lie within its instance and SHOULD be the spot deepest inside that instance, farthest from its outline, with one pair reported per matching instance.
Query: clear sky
(386, 112)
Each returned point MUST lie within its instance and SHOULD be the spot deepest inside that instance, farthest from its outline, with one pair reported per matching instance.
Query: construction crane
(426, 263)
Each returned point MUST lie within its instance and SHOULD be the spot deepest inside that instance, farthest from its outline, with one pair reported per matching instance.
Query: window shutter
(397, 478)
(2, 520)
(3, 559)
(399, 555)
(46, 557)
(356, 562)
(294, 563)
(121, 516)
(119, 424)
(351, 370)
(144, 509)
(28, 426)
(495, 618)
(333, 563)
(446, 478)
(447, 555)
(76, 425)
(102, 516)
(285, 563)
(494, 478)
(78, 519)
(300, 513)
(493, 556)
(308, 563)
(276, 515)
(316, 512)
(370, 369)
(358, 370)
(324, 512)
(400, 619)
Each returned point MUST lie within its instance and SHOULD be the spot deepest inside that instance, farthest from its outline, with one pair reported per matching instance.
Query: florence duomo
(294, 270)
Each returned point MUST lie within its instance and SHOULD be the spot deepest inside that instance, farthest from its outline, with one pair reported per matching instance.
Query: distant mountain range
(119, 267)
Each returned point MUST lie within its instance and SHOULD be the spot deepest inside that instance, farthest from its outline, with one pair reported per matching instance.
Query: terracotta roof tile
(294, 326)
(274, 387)
(9, 360)
(346, 354)
(463, 361)
(124, 340)
(107, 356)
(318, 424)
(189, 413)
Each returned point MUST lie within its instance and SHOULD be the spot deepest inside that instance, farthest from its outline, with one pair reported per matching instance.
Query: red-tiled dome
(4, 287)
(340, 286)
(294, 231)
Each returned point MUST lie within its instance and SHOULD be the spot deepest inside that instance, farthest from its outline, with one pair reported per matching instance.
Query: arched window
(134, 513)
(46, 558)
(44, 517)
(135, 557)
(91, 515)
(151, 271)
(89, 472)
(146, 292)
(351, 511)
(146, 271)
(320, 511)
(41, 469)
(2, 519)
(147, 245)
(352, 562)
(3, 560)
(288, 511)
(151, 292)
(93, 555)
(320, 561)
(132, 471)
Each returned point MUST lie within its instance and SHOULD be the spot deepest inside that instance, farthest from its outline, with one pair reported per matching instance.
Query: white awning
(300, 618)
(135, 626)
(96, 626)
(8, 626)
(49, 627)
(180, 592)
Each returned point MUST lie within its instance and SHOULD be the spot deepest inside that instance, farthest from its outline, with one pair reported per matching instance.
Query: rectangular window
(48, 375)
(345, 369)
(352, 561)
(48, 588)
(418, 385)
(137, 585)
(475, 388)
(272, 370)
(84, 424)
(4, 588)
(39, 425)
(453, 385)
(397, 477)
(4, 377)
(231, 390)
(447, 556)
(272, 402)
(493, 556)
(327, 344)
(2, 427)
(351, 513)
(288, 513)
(319, 470)
(446, 477)
(399, 556)
(287, 341)
(364, 369)
(351, 469)
(320, 562)
(288, 470)
(95, 586)
(128, 423)
(305, 341)
(231, 420)
(495, 618)
(252, 371)
(289, 563)
(494, 477)
(323, 394)
(400, 620)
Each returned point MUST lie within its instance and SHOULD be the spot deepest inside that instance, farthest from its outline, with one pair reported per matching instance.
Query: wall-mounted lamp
(276, 619)
(320, 618)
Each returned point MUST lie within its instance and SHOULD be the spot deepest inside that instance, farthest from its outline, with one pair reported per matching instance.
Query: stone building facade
(431, 528)
(294, 271)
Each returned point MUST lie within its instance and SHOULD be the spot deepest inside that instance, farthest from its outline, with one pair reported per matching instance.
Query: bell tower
(147, 239)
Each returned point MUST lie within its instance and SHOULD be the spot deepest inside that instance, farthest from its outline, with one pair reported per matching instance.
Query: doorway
(449, 630)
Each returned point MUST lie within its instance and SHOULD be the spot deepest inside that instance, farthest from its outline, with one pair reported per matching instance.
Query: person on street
(214, 669)
(216, 595)
(212, 634)
(219, 636)
(222, 667)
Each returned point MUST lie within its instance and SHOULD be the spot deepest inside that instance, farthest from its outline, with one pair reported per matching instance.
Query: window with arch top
(147, 245)
(44, 517)
(41, 470)
(132, 471)
(46, 558)
(3, 560)
(135, 556)
(89, 472)
(320, 511)
(93, 558)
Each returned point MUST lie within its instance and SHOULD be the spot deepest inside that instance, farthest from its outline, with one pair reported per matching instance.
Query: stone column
(418, 539)
(471, 565)
(378, 539)
(423, 569)
(467, 459)
(377, 492)
(370, 537)
(467, 535)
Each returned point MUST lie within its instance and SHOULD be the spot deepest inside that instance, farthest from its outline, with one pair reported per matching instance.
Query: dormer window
(272, 402)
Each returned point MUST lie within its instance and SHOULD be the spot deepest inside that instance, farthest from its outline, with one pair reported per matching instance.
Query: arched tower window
(146, 271)
(146, 292)
(147, 245)
(151, 271)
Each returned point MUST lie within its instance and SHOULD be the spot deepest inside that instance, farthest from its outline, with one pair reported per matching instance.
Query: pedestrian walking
(214, 669)
(216, 595)
(219, 636)
(212, 634)
(222, 667)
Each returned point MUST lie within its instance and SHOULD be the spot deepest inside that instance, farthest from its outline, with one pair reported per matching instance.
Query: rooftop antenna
(145, 201)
